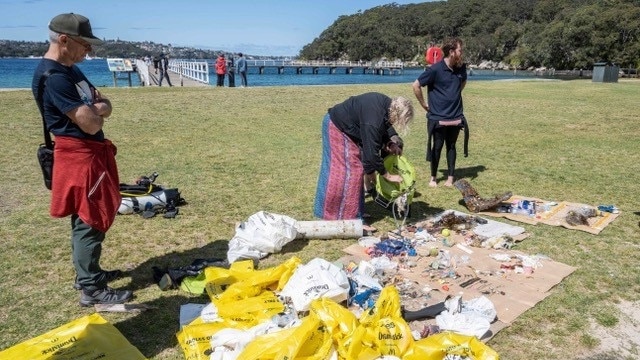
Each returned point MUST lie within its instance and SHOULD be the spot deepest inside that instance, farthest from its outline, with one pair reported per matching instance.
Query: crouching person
(355, 133)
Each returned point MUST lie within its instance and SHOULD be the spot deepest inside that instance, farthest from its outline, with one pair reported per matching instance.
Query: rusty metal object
(474, 202)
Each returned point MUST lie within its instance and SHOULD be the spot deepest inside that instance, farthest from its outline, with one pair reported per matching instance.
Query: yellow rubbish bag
(89, 337)
(251, 311)
(309, 341)
(338, 320)
(436, 347)
(218, 279)
(195, 339)
(242, 281)
(382, 330)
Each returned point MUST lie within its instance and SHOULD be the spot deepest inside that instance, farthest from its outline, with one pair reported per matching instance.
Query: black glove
(395, 145)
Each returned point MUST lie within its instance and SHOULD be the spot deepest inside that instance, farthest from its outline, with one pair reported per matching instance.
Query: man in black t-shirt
(85, 181)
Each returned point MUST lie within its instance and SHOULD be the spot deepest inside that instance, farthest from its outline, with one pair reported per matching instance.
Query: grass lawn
(233, 152)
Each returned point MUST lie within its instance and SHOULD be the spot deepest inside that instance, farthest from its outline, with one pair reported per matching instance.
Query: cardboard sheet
(555, 215)
(511, 289)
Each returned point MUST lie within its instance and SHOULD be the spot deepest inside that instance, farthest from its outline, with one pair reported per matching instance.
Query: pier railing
(194, 70)
(199, 70)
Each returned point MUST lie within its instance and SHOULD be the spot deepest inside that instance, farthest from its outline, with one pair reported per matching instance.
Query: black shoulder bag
(45, 150)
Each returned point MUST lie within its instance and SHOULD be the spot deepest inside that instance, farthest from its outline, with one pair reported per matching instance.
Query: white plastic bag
(262, 234)
(227, 344)
(383, 263)
(474, 318)
(481, 306)
(470, 324)
(318, 278)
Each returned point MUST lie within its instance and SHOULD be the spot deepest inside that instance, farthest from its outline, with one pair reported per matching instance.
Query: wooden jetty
(196, 72)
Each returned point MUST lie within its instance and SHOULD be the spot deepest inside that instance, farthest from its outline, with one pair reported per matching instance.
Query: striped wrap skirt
(340, 194)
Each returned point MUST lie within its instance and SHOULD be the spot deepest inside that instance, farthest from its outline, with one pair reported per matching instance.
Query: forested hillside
(560, 34)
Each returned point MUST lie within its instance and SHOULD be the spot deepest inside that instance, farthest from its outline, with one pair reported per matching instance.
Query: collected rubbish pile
(318, 311)
(321, 310)
(432, 290)
(575, 216)
(454, 254)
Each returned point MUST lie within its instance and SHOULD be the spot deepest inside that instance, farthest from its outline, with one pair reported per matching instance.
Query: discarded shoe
(609, 208)
(105, 296)
(165, 282)
(109, 276)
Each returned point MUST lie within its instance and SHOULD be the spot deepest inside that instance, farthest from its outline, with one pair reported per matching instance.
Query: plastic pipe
(329, 229)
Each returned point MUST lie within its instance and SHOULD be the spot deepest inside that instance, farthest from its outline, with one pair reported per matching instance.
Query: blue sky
(267, 27)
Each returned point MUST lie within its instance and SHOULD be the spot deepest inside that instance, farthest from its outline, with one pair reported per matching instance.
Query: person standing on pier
(445, 81)
(164, 69)
(354, 134)
(242, 69)
(221, 69)
(156, 64)
(85, 184)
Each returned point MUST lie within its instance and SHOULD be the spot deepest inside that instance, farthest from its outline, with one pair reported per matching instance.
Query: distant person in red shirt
(221, 69)
(433, 54)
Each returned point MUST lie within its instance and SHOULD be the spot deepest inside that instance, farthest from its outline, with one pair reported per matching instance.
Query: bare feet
(432, 182)
(449, 182)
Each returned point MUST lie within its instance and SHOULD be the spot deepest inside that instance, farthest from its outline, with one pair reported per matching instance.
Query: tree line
(110, 49)
(560, 34)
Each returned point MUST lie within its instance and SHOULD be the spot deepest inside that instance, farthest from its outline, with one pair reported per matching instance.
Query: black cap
(74, 25)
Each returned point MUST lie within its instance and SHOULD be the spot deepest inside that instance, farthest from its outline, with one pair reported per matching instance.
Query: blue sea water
(17, 73)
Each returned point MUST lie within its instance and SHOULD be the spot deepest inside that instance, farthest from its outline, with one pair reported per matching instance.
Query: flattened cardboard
(511, 293)
(556, 215)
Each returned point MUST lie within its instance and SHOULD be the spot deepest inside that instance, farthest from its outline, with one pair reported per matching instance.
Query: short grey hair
(400, 114)
(53, 36)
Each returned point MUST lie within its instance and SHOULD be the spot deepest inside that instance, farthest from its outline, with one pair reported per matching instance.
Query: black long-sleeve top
(365, 119)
